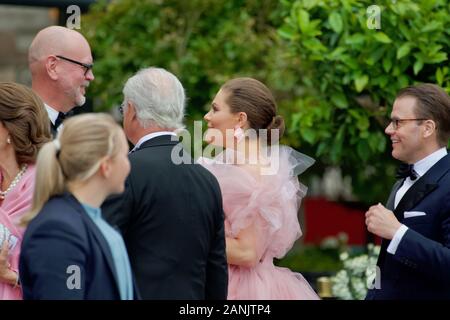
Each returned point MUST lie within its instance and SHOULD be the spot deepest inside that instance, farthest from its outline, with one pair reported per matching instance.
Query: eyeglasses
(122, 106)
(395, 122)
(86, 66)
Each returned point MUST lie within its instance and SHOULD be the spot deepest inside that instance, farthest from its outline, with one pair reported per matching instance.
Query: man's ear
(131, 109)
(429, 128)
(50, 66)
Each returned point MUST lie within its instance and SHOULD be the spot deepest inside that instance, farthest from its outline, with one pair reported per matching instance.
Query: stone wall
(18, 26)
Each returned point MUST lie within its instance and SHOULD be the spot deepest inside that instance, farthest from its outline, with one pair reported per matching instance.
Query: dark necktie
(406, 170)
(59, 119)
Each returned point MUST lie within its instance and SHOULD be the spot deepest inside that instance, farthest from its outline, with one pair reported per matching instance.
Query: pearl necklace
(14, 182)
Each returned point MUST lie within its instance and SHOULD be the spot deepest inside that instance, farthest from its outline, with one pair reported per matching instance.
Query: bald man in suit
(60, 62)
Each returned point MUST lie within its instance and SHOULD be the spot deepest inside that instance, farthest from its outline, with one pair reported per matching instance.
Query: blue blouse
(118, 251)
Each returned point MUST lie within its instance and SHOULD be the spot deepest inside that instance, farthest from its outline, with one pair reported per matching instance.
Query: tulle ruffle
(268, 196)
(267, 282)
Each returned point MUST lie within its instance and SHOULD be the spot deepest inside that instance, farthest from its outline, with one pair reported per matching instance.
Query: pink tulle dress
(269, 200)
(15, 205)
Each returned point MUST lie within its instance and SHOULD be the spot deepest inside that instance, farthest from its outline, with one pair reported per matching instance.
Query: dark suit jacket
(60, 241)
(172, 221)
(420, 268)
(53, 130)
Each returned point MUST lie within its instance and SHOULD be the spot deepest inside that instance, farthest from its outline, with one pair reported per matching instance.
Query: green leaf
(350, 62)
(340, 100)
(418, 65)
(309, 135)
(336, 148)
(387, 64)
(431, 26)
(315, 45)
(377, 142)
(323, 86)
(295, 120)
(303, 20)
(363, 123)
(361, 82)
(439, 76)
(383, 81)
(433, 49)
(405, 31)
(335, 22)
(337, 53)
(402, 81)
(321, 149)
(356, 38)
(382, 37)
(308, 4)
(375, 55)
(438, 58)
(364, 134)
(363, 150)
(287, 32)
(403, 50)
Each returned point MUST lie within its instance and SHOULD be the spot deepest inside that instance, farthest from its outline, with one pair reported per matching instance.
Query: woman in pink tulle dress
(24, 128)
(260, 190)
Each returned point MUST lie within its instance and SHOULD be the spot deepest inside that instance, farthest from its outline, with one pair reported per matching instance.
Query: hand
(4, 263)
(6, 274)
(382, 222)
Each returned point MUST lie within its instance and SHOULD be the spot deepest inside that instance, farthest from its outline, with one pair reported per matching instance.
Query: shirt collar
(52, 113)
(94, 213)
(422, 166)
(151, 136)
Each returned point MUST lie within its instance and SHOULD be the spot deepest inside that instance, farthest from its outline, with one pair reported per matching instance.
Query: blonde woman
(68, 250)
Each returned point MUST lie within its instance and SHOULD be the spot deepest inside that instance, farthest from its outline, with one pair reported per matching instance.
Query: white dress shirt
(151, 136)
(421, 167)
(52, 113)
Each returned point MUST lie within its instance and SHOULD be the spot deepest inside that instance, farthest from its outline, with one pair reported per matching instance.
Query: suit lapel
(426, 184)
(53, 130)
(413, 196)
(391, 201)
(97, 235)
(389, 205)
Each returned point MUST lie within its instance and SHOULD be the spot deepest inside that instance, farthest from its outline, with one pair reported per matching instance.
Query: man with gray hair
(170, 215)
(60, 62)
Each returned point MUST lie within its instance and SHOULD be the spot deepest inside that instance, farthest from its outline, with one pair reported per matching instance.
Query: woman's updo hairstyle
(255, 99)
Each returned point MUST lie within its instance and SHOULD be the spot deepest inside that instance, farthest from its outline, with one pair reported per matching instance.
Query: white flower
(358, 273)
(343, 256)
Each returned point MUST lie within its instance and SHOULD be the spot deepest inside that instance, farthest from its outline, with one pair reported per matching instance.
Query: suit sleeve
(217, 268)
(53, 263)
(117, 209)
(430, 257)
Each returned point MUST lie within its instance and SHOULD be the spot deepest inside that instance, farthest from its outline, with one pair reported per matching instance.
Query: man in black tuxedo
(60, 62)
(170, 214)
(414, 261)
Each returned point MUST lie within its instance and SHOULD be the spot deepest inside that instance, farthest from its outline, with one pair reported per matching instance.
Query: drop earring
(239, 133)
(8, 140)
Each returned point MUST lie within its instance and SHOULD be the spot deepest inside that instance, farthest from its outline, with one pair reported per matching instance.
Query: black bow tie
(59, 119)
(406, 170)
